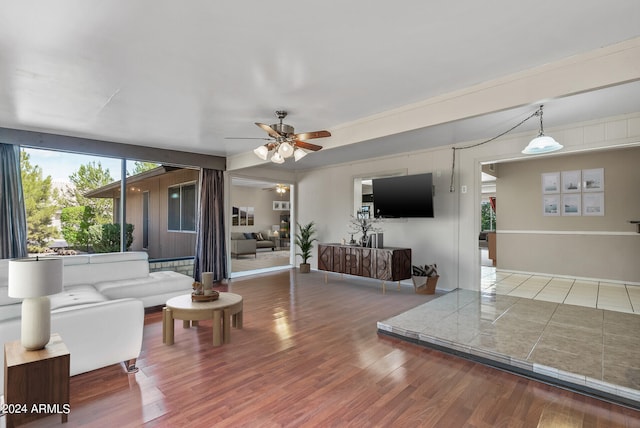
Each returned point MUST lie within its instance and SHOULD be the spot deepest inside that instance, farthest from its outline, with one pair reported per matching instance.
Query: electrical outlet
(463, 189)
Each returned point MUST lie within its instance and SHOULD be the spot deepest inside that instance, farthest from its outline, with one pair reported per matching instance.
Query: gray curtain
(13, 214)
(211, 254)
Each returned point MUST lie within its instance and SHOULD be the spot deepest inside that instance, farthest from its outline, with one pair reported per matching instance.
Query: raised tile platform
(593, 351)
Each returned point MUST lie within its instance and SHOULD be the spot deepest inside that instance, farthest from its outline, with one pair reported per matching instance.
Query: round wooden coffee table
(224, 312)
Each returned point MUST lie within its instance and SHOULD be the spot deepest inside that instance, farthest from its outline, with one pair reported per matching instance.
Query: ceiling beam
(41, 140)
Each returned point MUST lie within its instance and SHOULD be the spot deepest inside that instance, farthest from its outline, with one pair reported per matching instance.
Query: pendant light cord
(453, 164)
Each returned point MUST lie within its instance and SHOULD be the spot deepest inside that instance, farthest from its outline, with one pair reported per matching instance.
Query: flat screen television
(406, 196)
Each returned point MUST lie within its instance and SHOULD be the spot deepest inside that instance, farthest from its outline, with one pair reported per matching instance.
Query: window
(182, 208)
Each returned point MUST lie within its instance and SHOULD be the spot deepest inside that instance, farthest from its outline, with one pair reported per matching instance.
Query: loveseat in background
(247, 243)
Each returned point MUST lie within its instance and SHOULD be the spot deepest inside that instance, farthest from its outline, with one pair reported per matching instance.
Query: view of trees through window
(488, 217)
(60, 216)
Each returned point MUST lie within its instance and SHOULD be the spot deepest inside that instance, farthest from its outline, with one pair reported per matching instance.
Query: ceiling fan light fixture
(285, 149)
(261, 152)
(277, 158)
(299, 154)
(542, 143)
(285, 143)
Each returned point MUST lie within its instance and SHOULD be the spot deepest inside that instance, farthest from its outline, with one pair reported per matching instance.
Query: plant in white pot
(304, 241)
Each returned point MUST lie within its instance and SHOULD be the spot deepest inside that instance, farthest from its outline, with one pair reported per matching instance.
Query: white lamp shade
(35, 277)
(285, 150)
(261, 152)
(299, 154)
(542, 144)
(277, 158)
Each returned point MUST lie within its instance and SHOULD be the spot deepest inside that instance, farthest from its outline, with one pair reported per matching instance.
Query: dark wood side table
(36, 383)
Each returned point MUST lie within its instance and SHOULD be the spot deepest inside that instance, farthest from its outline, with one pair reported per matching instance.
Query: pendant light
(542, 143)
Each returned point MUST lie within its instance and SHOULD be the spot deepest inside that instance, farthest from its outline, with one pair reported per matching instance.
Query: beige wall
(605, 247)
(262, 201)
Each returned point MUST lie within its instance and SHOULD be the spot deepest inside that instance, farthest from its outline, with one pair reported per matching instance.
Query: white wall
(326, 196)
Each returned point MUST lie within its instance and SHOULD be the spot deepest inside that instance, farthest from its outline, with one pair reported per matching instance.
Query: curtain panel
(13, 214)
(211, 253)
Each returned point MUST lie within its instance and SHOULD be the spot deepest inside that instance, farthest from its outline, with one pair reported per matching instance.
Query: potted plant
(304, 241)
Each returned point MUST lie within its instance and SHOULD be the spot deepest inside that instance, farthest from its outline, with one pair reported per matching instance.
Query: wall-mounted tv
(403, 196)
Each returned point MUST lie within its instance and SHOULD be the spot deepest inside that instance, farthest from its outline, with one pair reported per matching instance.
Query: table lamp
(34, 279)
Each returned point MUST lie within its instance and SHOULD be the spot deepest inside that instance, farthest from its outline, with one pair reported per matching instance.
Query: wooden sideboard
(386, 264)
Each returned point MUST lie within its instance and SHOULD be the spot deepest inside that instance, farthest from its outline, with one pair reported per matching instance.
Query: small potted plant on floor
(304, 241)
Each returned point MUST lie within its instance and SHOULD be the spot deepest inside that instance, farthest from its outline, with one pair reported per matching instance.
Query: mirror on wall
(363, 189)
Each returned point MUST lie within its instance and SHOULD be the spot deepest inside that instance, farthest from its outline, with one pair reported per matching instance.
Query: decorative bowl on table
(205, 297)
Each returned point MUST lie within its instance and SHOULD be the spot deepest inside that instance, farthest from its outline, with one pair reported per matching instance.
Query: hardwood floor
(309, 355)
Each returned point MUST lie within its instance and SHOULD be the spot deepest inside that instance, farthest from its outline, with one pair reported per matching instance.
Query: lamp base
(36, 322)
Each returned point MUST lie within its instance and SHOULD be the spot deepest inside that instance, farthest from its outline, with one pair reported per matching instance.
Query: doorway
(487, 243)
(261, 215)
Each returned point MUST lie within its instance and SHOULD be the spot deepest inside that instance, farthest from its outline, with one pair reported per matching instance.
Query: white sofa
(100, 313)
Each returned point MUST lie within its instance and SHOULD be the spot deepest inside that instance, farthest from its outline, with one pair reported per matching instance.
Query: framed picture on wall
(571, 181)
(235, 216)
(551, 205)
(593, 204)
(550, 182)
(281, 205)
(250, 216)
(243, 216)
(571, 204)
(593, 180)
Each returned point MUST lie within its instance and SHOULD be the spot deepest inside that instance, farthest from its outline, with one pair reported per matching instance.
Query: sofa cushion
(5, 299)
(76, 295)
(118, 257)
(4, 285)
(100, 267)
(75, 260)
(237, 235)
(4, 272)
(11, 311)
(249, 235)
(156, 283)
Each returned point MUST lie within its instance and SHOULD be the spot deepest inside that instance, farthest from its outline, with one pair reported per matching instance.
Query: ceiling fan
(284, 142)
(278, 188)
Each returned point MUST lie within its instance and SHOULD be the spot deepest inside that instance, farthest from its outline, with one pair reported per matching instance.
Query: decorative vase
(364, 241)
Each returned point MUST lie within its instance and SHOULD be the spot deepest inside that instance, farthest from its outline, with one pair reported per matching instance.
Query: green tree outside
(89, 177)
(40, 202)
(76, 222)
(110, 238)
(488, 217)
(140, 167)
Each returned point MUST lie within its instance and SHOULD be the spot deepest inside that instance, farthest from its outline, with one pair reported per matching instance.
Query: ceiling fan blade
(246, 138)
(269, 130)
(311, 135)
(308, 146)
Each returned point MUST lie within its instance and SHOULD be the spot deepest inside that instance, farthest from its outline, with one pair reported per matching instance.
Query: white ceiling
(185, 75)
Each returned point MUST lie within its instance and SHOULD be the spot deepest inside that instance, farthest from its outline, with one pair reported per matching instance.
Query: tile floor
(577, 334)
(591, 294)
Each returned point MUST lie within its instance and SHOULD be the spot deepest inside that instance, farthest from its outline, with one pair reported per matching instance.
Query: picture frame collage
(243, 216)
(573, 193)
(281, 205)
